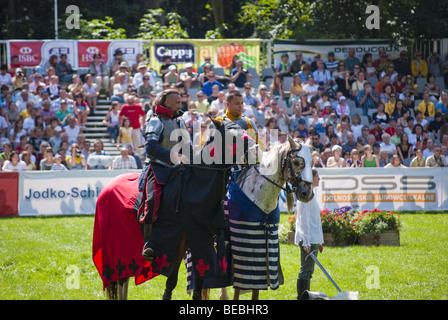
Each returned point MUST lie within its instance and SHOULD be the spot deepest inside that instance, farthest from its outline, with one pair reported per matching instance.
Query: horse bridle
(286, 164)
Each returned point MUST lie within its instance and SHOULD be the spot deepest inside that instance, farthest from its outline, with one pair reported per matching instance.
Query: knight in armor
(234, 113)
(162, 156)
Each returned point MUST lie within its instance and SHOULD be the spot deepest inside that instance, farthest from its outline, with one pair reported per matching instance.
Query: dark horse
(191, 216)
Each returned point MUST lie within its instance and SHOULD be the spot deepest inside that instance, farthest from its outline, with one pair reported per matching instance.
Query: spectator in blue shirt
(207, 87)
(367, 98)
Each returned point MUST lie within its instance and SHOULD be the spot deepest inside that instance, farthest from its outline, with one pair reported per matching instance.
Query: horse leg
(236, 294)
(198, 285)
(171, 281)
(123, 288)
(205, 294)
(255, 294)
(223, 294)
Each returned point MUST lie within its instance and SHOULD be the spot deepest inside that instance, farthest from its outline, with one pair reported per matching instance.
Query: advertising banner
(340, 48)
(29, 52)
(9, 183)
(87, 49)
(70, 192)
(221, 52)
(58, 47)
(396, 189)
(130, 49)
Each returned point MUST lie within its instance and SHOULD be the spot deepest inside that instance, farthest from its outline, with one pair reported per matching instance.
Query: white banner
(62, 192)
(340, 48)
(399, 189)
(129, 48)
(58, 47)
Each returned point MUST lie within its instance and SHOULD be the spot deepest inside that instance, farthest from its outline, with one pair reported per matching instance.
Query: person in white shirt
(138, 77)
(310, 87)
(386, 145)
(309, 236)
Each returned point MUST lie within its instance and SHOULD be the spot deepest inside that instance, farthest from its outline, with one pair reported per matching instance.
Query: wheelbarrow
(342, 295)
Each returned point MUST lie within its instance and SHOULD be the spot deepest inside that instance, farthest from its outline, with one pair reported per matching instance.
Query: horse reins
(287, 164)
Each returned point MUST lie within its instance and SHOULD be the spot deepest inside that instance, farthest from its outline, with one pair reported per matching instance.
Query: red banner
(9, 193)
(86, 50)
(29, 52)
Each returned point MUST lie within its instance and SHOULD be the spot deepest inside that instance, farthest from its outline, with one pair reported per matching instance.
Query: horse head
(228, 145)
(297, 169)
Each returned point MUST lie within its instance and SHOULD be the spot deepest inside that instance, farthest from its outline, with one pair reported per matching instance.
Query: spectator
(316, 122)
(111, 121)
(77, 87)
(76, 160)
(86, 149)
(394, 163)
(249, 99)
(172, 76)
(436, 160)
(14, 163)
(143, 74)
(239, 75)
(17, 132)
(296, 65)
(114, 64)
(418, 161)
(81, 109)
(135, 113)
(131, 153)
(353, 161)
(58, 165)
(322, 76)
(207, 87)
(164, 68)
(63, 95)
(419, 67)
(73, 129)
(283, 69)
(218, 104)
(124, 68)
(100, 73)
(356, 126)
(189, 78)
(390, 71)
(15, 64)
(432, 88)
(91, 93)
(63, 113)
(64, 69)
(5, 77)
(53, 88)
(426, 107)
(390, 148)
(124, 161)
(351, 60)
(99, 159)
(36, 83)
(442, 105)
(18, 80)
(6, 153)
(202, 104)
(336, 161)
(277, 90)
(316, 144)
(342, 108)
(207, 61)
(429, 150)
(37, 137)
(317, 161)
(120, 88)
(379, 115)
(47, 162)
(125, 133)
(367, 98)
(369, 159)
(305, 72)
(350, 144)
(310, 87)
(402, 64)
(435, 125)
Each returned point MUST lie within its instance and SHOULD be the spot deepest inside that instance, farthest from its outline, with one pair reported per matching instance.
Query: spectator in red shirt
(136, 114)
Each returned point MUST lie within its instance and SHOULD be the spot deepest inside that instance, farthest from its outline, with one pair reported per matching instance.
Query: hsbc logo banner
(29, 52)
(87, 49)
(179, 52)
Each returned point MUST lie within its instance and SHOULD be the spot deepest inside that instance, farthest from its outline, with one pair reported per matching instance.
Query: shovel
(346, 295)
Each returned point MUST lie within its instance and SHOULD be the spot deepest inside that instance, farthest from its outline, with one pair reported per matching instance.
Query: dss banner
(399, 189)
(221, 52)
(340, 48)
(70, 192)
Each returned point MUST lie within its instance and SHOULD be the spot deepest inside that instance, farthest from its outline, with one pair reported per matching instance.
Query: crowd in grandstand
(357, 113)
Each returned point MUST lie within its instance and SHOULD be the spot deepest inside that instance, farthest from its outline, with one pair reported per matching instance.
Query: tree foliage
(152, 26)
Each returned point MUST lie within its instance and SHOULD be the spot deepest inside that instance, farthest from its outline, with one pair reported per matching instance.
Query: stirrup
(148, 253)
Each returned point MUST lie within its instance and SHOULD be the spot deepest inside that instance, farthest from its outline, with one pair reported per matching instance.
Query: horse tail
(112, 291)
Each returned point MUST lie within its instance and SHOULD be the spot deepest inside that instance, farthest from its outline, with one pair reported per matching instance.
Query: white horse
(254, 235)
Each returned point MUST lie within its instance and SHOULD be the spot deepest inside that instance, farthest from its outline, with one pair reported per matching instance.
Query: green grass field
(40, 257)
